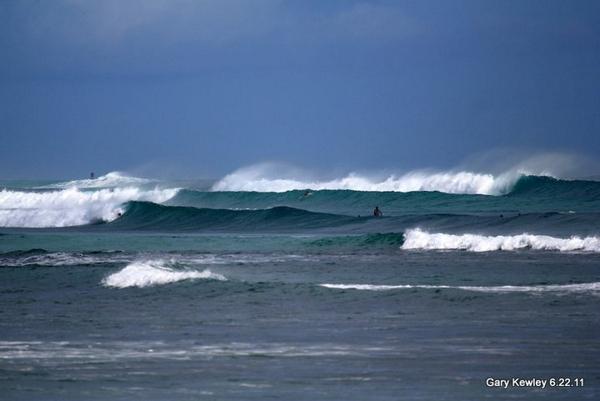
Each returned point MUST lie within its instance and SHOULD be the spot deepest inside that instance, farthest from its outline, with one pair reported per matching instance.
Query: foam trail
(110, 180)
(564, 288)
(418, 239)
(70, 207)
(150, 273)
(61, 259)
(259, 179)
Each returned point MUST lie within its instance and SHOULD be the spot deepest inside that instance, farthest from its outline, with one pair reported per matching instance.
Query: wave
(558, 288)
(109, 180)
(72, 206)
(530, 194)
(419, 239)
(146, 215)
(260, 179)
(530, 185)
(521, 208)
(154, 272)
(379, 231)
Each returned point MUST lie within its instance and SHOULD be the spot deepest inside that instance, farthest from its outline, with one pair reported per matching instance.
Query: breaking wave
(151, 273)
(265, 178)
(558, 288)
(71, 206)
(419, 239)
(110, 180)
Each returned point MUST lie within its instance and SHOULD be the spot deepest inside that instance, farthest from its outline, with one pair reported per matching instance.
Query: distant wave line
(593, 287)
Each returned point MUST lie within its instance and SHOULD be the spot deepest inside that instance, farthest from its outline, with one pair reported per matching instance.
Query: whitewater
(593, 288)
(419, 239)
(72, 206)
(259, 178)
(154, 272)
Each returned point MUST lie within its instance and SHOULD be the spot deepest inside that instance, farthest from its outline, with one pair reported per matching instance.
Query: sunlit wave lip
(593, 287)
(417, 239)
(154, 272)
(71, 206)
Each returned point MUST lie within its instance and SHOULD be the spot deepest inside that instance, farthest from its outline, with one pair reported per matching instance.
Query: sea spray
(267, 178)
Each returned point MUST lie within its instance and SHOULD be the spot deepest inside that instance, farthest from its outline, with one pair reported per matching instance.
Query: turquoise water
(125, 288)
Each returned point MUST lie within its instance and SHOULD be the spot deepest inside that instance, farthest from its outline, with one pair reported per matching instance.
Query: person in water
(377, 212)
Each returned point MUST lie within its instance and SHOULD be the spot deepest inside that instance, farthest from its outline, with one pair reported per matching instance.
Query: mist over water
(264, 178)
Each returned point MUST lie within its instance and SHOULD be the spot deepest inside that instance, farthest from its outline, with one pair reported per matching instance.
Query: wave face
(145, 215)
(154, 272)
(418, 239)
(593, 288)
(460, 182)
(547, 186)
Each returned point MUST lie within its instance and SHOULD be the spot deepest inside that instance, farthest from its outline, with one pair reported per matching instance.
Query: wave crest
(150, 273)
(418, 239)
(70, 207)
(260, 179)
(109, 180)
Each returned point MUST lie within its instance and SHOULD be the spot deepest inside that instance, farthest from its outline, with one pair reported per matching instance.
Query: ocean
(248, 288)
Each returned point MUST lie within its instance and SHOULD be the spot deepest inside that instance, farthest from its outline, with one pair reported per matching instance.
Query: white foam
(157, 272)
(48, 352)
(265, 178)
(110, 180)
(71, 207)
(560, 288)
(61, 259)
(418, 239)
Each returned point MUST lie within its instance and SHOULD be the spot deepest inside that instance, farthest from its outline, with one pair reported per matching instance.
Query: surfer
(92, 175)
(377, 212)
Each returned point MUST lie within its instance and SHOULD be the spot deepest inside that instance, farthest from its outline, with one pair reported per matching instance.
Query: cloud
(213, 22)
(373, 21)
(185, 37)
(112, 22)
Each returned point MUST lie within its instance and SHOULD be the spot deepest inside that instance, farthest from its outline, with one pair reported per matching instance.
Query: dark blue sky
(199, 88)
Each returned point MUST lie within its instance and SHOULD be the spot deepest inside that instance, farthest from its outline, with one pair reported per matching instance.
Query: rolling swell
(547, 186)
(284, 219)
(151, 216)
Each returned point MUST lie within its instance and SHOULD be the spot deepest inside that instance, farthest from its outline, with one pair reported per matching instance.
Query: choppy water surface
(125, 288)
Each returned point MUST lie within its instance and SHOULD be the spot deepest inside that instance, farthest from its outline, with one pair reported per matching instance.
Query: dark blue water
(221, 296)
